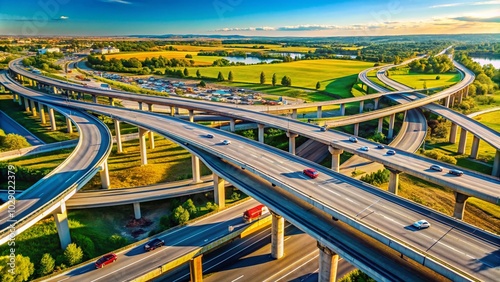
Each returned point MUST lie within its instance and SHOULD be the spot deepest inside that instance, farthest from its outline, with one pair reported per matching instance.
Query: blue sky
(248, 17)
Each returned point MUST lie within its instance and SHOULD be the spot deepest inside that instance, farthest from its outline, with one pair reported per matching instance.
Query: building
(105, 50)
(48, 50)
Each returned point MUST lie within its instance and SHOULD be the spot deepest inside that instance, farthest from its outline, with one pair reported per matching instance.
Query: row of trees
(44, 62)
(487, 77)
(433, 64)
(134, 65)
(11, 141)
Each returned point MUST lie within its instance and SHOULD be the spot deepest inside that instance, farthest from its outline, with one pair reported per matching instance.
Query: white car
(226, 142)
(364, 148)
(421, 224)
(353, 139)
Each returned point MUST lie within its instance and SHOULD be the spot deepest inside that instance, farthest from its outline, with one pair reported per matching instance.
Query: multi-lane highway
(377, 213)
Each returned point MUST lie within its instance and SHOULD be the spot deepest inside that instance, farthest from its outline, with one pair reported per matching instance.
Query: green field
(417, 80)
(335, 76)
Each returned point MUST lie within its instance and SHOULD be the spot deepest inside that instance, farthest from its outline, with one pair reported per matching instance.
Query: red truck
(255, 213)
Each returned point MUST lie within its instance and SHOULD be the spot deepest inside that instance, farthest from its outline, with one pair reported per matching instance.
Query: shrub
(47, 264)
(180, 215)
(377, 178)
(211, 206)
(433, 154)
(235, 196)
(86, 244)
(448, 159)
(24, 269)
(190, 207)
(73, 254)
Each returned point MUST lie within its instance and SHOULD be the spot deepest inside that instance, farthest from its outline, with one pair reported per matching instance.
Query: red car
(311, 172)
(105, 260)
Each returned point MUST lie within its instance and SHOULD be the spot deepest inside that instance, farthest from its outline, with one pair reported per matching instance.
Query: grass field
(416, 80)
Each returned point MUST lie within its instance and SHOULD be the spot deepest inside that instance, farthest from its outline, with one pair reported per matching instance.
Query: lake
(484, 61)
(248, 60)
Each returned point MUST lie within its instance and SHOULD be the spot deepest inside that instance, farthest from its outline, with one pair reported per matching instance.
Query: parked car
(153, 244)
(226, 142)
(364, 148)
(311, 172)
(456, 172)
(105, 260)
(353, 139)
(421, 224)
(391, 152)
(380, 146)
(437, 168)
(209, 136)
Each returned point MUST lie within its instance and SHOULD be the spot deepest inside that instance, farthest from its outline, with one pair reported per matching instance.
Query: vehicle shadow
(296, 174)
(412, 228)
(491, 260)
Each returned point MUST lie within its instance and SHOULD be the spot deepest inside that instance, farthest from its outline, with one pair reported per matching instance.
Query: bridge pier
(104, 173)
(140, 106)
(232, 124)
(319, 112)
(328, 262)
(52, 119)
(335, 157)
(380, 124)
(219, 191)
(33, 108)
(460, 96)
(151, 137)
(393, 180)
(462, 142)
(342, 109)
(475, 147)
(137, 210)
(69, 125)
(27, 105)
(291, 142)
(460, 200)
(375, 101)
(94, 99)
(142, 145)
(391, 126)
(496, 165)
(42, 113)
(447, 101)
(195, 166)
(61, 220)
(191, 115)
(277, 236)
(294, 113)
(361, 106)
(111, 101)
(196, 269)
(118, 136)
(172, 111)
(177, 110)
(150, 107)
(453, 133)
(19, 100)
(261, 133)
(356, 129)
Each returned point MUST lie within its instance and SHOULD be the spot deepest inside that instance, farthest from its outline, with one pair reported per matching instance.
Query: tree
(318, 85)
(190, 207)
(286, 81)
(356, 276)
(262, 78)
(189, 56)
(202, 84)
(180, 215)
(438, 77)
(47, 264)
(275, 80)
(198, 74)
(13, 142)
(73, 254)
(186, 72)
(230, 76)
(220, 77)
(19, 270)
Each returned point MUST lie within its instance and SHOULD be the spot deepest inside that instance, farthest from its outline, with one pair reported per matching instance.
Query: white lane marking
(63, 279)
(293, 270)
(238, 278)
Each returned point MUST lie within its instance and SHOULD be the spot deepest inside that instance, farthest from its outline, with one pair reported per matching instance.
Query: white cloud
(447, 5)
(494, 2)
(63, 18)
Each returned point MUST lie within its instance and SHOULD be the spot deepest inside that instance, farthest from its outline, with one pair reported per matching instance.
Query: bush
(356, 276)
(235, 196)
(117, 241)
(212, 207)
(377, 178)
(24, 269)
(180, 215)
(438, 77)
(86, 244)
(13, 142)
(47, 264)
(448, 159)
(73, 254)
(190, 207)
(433, 154)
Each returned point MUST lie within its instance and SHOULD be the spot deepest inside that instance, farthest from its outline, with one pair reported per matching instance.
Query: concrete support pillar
(277, 236)
(54, 91)
(393, 180)
(219, 191)
(111, 101)
(150, 107)
(151, 137)
(463, 141)
(142, 146)
(328, 263)
(291, 142)
(42, 113)
(191, 115)
(33, 108)
(375, 101)
(453, 133)
(466, 93)
(118, 136)
(195, 167)
(356, 129)
(104, 173)
(459, 209)
(14, 95)
(172, 111)
(460, 96)
(447, 102)
(27, 105)
(335, 157)
(261, 132)
(196, 269)
(19, 100)
(475, 147)
(496, 165)
(391, 126)
(61, 219)
(361, 106)
(52, 119)
(232, 123)
(94, 99)
(80, 96)
(137, 210)
(294, 113)
(319, 112)
(140, 106)
(69, 126)
(177, 110)
(380, 124)
(342, 109)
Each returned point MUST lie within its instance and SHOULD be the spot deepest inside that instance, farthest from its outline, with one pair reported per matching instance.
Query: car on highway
(353, 139)
(364, 148)
(226, 142)
(208, 135)
(105, 260)
(421, 224)
(311, 172)
(323, 128)
(437, 168)
(153, 244)
(391, 152)
(456, 172)
(380, 146)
